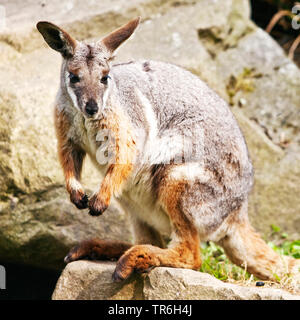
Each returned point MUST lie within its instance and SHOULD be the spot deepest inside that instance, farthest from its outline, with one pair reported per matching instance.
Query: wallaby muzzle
(91, 107)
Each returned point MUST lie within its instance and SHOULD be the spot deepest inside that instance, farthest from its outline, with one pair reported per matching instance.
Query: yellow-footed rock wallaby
(171, 153)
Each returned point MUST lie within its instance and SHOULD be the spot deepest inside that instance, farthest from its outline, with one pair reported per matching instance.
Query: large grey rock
(85, 280)
(39, 229)
(220, 44)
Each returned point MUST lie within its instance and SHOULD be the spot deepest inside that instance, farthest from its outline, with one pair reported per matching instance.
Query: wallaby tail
(247, 249)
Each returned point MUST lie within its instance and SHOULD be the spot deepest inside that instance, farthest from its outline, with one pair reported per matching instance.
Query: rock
(40, 229)
(259, 60)
(220, 44)
(86, 280)
(270, 85)
(274, 198)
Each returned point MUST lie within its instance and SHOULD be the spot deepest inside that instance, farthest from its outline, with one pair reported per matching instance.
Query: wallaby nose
(91, 107)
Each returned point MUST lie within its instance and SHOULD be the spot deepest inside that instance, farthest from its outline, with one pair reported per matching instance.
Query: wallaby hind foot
(96, 249)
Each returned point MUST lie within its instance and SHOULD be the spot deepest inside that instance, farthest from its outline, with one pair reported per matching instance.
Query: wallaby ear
(57, 38)
(117, 37)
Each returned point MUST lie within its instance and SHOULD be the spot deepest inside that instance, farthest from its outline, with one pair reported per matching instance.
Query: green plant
(242, 82)
(216, 263)
(287, 248)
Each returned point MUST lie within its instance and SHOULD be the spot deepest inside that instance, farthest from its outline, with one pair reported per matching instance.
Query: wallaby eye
(73, 78)
(104, 79)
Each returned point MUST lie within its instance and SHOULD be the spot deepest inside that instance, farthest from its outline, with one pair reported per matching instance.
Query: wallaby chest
(84, 133)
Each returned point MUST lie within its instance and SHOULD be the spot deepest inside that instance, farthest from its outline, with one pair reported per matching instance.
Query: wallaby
(177, 161)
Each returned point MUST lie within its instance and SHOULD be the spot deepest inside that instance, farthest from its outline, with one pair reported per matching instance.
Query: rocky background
(215, 39)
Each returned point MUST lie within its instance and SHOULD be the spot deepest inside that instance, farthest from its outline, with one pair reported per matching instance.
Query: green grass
(282, 245)
(287, 248)
(216, 263)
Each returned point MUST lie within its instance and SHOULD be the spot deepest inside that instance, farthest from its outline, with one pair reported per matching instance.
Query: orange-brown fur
(184, 253)
(98, 249)
(70, 157)
(118, 172)
(112, 41)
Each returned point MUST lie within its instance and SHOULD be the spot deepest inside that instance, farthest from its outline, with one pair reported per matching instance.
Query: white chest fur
(138, 200)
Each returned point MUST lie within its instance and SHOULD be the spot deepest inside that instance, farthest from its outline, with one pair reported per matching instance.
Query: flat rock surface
(86, 280)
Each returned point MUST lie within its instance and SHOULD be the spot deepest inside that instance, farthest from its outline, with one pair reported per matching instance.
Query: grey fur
(184, 105)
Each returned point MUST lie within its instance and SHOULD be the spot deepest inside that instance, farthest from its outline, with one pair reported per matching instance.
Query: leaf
(275, 228)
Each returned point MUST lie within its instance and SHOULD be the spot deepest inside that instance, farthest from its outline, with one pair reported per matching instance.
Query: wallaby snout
(91, 107)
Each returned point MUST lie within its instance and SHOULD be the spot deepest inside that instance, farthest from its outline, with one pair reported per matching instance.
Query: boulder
(39, 229)
(87, 280)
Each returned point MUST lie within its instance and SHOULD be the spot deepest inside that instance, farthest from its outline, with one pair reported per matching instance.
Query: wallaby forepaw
(96, 206)
(79, 198)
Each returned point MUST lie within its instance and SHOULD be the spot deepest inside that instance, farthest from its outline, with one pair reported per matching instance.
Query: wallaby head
(85, 69)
